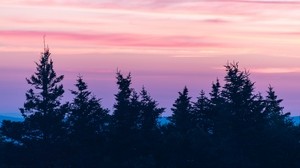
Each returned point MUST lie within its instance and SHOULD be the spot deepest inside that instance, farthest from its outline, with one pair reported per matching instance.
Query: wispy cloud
(276, 70)
(118, 39)
(166, 35)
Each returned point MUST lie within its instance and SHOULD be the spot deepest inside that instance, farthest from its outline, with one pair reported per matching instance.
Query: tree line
(232, 126)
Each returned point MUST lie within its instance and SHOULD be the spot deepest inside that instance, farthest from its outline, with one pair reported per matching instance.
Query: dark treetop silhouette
(232, 127)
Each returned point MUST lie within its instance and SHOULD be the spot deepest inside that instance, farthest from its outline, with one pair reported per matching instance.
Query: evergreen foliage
(42, 109)
(86, 119)
(231, 127)
(182, 109)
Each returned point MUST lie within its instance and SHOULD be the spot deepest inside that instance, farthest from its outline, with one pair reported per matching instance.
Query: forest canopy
(231, 126)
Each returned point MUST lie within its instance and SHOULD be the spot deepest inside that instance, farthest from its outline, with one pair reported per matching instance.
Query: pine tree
(87, 125)
(182, 108)
(202, 114)
(135, 111)
(243, 117)
(87, 118)
(215, 94)
(279, 135)
(42, 110)
(274, 111)
(149, 112)
(149, 133)
(124, 125)
(216, 102)
(123, 118)
(239, 97)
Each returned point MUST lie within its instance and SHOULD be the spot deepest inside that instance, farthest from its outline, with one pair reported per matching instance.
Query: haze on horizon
(161, 42)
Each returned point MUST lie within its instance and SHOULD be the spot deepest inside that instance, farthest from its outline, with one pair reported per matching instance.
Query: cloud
(276, 70)
(271, 1)
(118, 39)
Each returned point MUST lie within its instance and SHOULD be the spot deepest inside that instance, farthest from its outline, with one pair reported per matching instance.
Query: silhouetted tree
(87, 127)
(124, 125)
(202, 114)
(243, 115)
(123, 119)
(135, 111)
(42, 109)
(40, 136)
(219, 117)
(149, 141)
(238, 93)
(182, 108)
(177, 141)
(274, 111)
(149, 112)
(276, 149)
(233, 127)
(87, 118)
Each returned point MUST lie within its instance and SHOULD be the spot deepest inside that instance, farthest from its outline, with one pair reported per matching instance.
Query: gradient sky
(166, 44)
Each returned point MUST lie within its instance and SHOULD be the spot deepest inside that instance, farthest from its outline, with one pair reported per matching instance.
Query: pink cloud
(276, 70)
(116, 39)
(269, 1)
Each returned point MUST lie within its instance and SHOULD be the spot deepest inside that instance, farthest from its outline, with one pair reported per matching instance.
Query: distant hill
(165, 120)
(3, 117)
(161, 120)
(296, 120)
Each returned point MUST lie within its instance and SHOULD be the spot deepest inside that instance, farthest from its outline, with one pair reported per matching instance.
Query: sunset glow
(166, 44)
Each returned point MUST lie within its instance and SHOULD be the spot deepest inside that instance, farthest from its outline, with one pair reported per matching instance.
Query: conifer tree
(215, 94)
(243, 112)
(123, 118)
(149, 112)
(181, 117)
(87, 126)
(124, 124)
(274, 111)
(87, 118)
(239, 97)
(202, 114)
(42, 110)
(135, 111)
(216, 106)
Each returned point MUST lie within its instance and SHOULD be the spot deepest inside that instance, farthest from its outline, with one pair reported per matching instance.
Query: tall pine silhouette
(87, 118)
(42, 110)
(124, 124)
(87, 125)
(182, 108)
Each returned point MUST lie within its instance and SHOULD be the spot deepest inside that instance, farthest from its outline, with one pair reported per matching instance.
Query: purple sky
(166, 44)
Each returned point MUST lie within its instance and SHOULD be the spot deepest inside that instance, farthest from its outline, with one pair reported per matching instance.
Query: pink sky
(166, 44)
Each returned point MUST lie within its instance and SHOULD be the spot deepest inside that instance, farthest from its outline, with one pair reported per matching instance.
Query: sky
(165, 44)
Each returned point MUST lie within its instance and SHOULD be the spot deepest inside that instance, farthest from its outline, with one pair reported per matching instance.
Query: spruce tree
(123, 118)
(182, 108)
(243, 119)
(148, 134)
(216, 102)
(215, 94)
(274, 111)
(87, 119)
(149, 112)
(124, 124)
(239, 97)
(135, 111)
(87, 125)
(42, 110)
(202, 114)
(279, 141)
